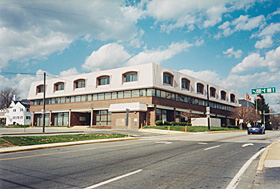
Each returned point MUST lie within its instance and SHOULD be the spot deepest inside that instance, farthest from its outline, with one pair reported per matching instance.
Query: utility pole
(208, 109)
(44, 104)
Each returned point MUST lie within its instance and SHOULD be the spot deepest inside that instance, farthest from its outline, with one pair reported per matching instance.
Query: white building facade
(18, 114)
(151, 92)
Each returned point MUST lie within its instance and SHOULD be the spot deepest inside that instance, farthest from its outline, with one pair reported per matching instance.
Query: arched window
(212, 92)
(103, 80)
(223, 95)
(199, 88)
(130, 76)
(186, 84)
(168, 78)
(232, 98)
(80, 83)
(40, 89)
(59, 86)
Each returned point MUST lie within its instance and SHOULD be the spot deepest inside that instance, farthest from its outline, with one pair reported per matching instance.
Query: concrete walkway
(271, 157)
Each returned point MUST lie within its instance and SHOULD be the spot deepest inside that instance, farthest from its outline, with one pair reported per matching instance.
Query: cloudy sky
(232, 43)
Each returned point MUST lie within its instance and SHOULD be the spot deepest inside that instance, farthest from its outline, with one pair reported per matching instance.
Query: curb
(54, 145)
(164, 133)
(46, 133)
(261, 162)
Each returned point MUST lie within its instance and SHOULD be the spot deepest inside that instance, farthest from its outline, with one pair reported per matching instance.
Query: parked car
(256, 129)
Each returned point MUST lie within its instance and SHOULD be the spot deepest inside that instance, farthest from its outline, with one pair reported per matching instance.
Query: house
(148, 92)
(2, 116)
(18, 113)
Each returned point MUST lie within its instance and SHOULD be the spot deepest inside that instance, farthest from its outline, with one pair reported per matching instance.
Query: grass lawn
(32, 140)
(192, 128)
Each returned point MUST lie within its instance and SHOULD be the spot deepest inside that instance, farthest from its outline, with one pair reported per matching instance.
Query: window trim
(129, 73)
(79, 80)
(188, 84)
(58, 83)
(102, 77)
(198, 92)
(170, 76)
(223, 93)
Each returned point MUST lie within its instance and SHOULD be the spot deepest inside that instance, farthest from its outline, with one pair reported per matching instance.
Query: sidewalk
(270, 157)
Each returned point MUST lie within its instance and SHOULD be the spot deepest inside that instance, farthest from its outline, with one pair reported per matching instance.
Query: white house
(18, 113)
(2, 116)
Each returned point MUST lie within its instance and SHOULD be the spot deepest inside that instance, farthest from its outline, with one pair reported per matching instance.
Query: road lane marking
(249, 144)
(202, 143)
(212, 147)
(163, 142)
(113, 179)
(70, 151)
(234, 182)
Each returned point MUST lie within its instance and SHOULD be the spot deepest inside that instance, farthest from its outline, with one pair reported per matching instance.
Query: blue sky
(231, 43)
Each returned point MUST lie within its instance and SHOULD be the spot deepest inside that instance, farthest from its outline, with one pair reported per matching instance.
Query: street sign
(264, 90)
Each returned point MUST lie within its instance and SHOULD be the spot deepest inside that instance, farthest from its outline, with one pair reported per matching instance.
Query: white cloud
(242, 23)
(36, 29)
(108, 56)
(248, 63)
(71, 71)
(230, 52)
(271, 29)
(253, 61)
(264, 43)
(181, 13)
(205, 75)
(157, 56)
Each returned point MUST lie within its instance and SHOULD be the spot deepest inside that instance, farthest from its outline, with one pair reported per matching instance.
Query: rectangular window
(89, 97)
(59, 86)
(14, 110)
(104, 81)
(135, 93)
(142, 92)
(120, 94)
(84, 98)
(62, 100)
(108, 96)
(103, 117)
(94, 97)
(163, 94)
(80, 84)
(114, 95)
(127, 94)
(130, 77)
(151, 92)
(67, 99)
(167, 79)
(100, 96)
(78, 98)
(73, 99)
(157, 92)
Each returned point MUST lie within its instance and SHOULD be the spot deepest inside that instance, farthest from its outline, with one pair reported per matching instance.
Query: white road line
(249, 144)
(163, 142)
(212, 147)
(236, 179)
(113, 179)
(202, 143)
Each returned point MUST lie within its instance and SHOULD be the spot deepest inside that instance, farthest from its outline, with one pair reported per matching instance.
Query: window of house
(223, 95)
(40, 89)
(103, 80)
(59, 86)
(186, 84)
(199, 88)
(81, 83)
(21, 109)
(131, 76)
(232, 98)
(168, 79)
(212, 92)
(114, 95)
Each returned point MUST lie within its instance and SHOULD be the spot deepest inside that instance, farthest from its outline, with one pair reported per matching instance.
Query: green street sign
(264, 90)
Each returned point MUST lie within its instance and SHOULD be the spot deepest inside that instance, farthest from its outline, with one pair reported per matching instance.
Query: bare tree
(6, 97)
(248, 114)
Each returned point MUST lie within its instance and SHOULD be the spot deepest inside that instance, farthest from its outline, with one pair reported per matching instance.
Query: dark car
(256, 130)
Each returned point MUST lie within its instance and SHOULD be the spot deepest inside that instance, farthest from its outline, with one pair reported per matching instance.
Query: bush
(232, 126)
(180, 123)
(160, 122)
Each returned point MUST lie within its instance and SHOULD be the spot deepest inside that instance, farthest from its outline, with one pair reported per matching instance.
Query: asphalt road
(165, 161)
